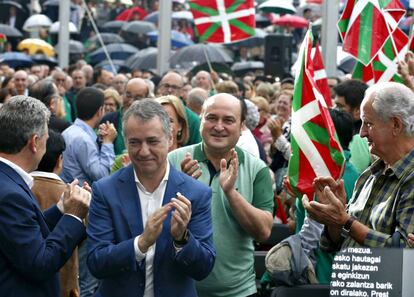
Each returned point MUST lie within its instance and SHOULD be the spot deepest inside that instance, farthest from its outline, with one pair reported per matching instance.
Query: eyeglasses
(134, 98)
(168, 86)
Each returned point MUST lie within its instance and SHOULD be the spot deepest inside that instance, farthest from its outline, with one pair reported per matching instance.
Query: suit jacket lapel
(129, 197)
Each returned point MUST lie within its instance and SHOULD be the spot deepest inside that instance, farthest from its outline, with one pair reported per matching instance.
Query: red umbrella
(289, 20)
(134, 13)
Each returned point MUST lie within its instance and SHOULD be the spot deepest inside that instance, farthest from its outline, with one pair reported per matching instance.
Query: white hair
(391, 99)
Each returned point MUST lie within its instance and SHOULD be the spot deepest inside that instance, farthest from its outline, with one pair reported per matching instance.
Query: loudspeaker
(278, 55)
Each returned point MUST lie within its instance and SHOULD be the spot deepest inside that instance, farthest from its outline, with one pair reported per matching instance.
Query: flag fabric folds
(320, 76)
(223, 21)
(315, 146)
(365, 25)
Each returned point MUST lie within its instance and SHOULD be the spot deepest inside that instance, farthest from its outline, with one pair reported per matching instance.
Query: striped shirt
(383, 200)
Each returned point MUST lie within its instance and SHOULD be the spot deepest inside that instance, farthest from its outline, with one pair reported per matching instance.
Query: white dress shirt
(28, 179)
(149, 202)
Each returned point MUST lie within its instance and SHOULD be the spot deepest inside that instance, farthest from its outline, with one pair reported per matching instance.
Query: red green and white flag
(366, 24)
(223, 21)
(385, 64)
(384, 67)
(320, 76)
(3, 38)
(315, 146)
(363, 73)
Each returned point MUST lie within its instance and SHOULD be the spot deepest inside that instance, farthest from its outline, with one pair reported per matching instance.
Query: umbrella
(261, 20)
(316, 8)
(36, 22)
(113, 26)
(347, 64)
(75, 47)
(42, 59)
(256, 40)
(107, 38)
(16, 59)
(144, 59)
(9, 31)
(119, 65)
(289, 20)
(190, 56)
(130, 13)
(176, 15)
(277, 6)
(36, 46)
(217, 67)
(178, 39)
(54, 28)
(117, 51)
(183, 15)
(11, 3)
(138, 27)
(240, 68)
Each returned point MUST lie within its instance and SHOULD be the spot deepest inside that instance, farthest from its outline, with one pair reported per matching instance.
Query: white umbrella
(182, 15)
(56, 25)
(126, 2)
(278, 6)
(35, 22)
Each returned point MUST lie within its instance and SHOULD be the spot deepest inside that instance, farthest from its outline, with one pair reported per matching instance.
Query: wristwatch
(183, 240)
(346, 229)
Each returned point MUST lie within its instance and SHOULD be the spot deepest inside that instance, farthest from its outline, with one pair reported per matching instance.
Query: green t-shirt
(360, 155)
(233, 273)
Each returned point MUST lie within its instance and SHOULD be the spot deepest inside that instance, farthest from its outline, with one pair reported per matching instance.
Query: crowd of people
(133, 184)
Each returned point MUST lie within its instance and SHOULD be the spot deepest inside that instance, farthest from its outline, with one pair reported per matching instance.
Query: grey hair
(391, 99)
(20, 118)
(147, 109)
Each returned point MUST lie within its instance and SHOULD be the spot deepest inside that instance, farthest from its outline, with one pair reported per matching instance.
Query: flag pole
(98, 34)
(209, 64)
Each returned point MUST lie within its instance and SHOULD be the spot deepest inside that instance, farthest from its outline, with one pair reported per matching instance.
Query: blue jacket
(33, 245)
(115, 220)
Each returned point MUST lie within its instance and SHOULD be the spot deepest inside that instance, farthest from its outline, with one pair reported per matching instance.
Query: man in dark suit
(150, 228)
(33, 245)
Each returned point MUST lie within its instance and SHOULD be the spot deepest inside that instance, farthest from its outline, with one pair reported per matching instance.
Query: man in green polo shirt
(242, 203)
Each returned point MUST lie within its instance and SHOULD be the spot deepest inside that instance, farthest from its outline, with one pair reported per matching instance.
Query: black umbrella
(9, 31)
(138, 27)
(119, 66)
(256, 40)
(107, 38)
(240, 68)
(113, 26)
(347, 64)
(117, 51)
(190, 56)
(144, 59)
(217, 67)
(43, 59)
(75, 47)
(16, 59)
(261, 20)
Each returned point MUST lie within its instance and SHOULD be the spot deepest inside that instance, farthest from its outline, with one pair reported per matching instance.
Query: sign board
(365, 272)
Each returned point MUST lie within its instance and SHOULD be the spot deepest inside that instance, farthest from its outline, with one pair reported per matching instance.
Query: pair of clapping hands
(107, 132)
(75, 200)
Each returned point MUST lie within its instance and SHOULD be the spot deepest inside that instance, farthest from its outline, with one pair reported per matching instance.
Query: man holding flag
(383, 198)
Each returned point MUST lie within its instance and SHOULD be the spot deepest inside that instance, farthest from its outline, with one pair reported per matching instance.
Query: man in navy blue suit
(150, 228)
(33, 245)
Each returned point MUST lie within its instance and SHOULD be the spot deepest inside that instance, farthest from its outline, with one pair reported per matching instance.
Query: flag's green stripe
(242, 26)
(365, 34)
(384, 3)
(388, 49)
(337, 156)
(203, 9)
(357, 72)
(210, 31)
(378, 66)
(234, 6)
(343, 25)
(293, 166)
(397, 78)
(297, 93)
(317, 133)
